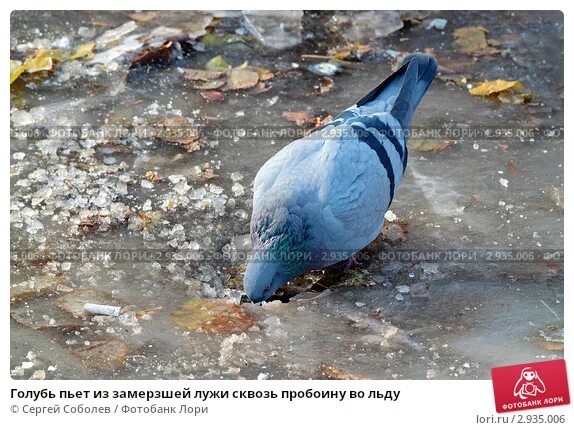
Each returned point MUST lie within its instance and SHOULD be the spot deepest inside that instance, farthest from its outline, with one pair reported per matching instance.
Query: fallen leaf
(264, 74)
(154, 55)
(35, 287)
(213, 316)
(241, 78)
(207, 172)
(473, 41)
(326, 85)
(82, 51)
(146, 314)
(506, 91)
(208, 85)
(352, 51)
(551, 336)
(16, 69)
(299, 118)
(515, 98)
(152, 176)
(143, 16)
(494, 87)
(37, 322)
(217, 63)
(395, 232)
(203, 75)
(212, 96)
(261, 88)
(429, 145)
(512, 168)
(105, 354)
(179, 130)
(331, 372)
(40, 62)
(90, 223)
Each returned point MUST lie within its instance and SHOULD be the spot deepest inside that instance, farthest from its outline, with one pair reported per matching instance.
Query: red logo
(530, 385)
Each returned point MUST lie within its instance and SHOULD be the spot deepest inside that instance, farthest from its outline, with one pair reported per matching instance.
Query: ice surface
(456, 319)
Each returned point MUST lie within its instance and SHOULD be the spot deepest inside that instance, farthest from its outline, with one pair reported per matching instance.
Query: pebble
(399, 297)
(39, 375)
(27, 365)
(404, 289)
(238, 189)
(236, 176)
(146, 184)
(437, 23)
(360, 304)
(324, 69)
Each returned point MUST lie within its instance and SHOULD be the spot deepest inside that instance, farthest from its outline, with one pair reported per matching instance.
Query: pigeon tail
(401, 92)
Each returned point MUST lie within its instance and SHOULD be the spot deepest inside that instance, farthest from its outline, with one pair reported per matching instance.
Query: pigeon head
(263, 278)
(277, 257)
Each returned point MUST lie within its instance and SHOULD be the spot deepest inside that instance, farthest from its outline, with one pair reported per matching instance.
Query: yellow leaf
(473, 41)
(429, 145)
(494, 87)
(213, 316)
(82, 51)
(39, 64)
(16, 69)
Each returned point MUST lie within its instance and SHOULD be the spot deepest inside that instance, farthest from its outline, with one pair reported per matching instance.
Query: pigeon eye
(267, 288)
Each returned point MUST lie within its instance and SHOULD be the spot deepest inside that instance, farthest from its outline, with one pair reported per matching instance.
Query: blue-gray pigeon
(323, 198)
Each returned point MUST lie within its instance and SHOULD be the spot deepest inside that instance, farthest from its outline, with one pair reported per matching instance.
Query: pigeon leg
(352, 263)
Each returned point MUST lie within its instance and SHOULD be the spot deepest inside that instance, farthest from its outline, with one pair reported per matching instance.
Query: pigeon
(323, 198)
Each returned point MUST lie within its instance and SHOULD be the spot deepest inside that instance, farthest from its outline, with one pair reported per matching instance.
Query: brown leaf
(299, 118)
(264, 74)
(515, 98)
(351, 51)
(331, 372)
(242, 78)
(208, 85)
(261, 88)
(152, 176)
(319, 122)
(90, 224)
(35, 287)
(395, 232)
(154, 55)
(144, 16)
(203, 75)
(179, 130)
(105, 354)
(512, 167)
(213, 316)
(326, 85)
(212, 96)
